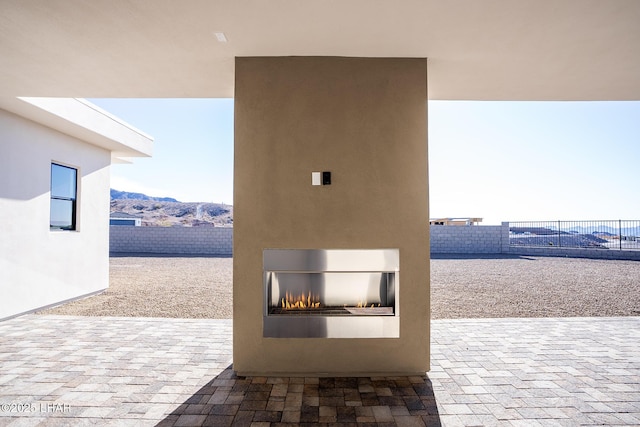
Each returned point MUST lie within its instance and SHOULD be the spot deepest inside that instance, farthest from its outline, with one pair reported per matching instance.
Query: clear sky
(502, 161)
(192, 152)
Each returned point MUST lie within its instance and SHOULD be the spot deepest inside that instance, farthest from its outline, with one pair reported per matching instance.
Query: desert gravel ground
(461, 287)
(524, 286)
(194, 287)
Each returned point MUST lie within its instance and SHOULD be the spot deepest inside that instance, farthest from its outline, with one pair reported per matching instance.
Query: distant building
(122, 218)
(55, 159)
(455, 221)
(200, 223)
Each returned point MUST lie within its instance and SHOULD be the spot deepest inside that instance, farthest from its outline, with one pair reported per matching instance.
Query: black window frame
(72, 199)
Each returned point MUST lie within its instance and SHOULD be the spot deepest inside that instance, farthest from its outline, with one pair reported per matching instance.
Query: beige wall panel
(365, 120)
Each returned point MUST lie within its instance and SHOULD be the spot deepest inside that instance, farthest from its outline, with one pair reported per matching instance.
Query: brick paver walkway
(59, 370)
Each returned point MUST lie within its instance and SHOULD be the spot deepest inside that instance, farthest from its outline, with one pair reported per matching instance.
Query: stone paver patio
(62, 370)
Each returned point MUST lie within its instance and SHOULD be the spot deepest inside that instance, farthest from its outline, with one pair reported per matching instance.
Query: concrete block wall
(576, 252)
(478, 239)
(212, 241)
(474, 239)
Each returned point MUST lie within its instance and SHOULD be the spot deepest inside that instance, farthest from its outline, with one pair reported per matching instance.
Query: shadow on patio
(240, 401)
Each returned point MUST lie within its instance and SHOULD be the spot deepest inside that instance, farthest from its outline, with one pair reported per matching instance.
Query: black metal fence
(613, 234)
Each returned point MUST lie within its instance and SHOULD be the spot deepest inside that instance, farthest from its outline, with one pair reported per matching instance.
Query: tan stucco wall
(365, 120)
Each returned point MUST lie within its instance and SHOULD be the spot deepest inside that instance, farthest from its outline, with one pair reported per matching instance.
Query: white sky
(502, 161)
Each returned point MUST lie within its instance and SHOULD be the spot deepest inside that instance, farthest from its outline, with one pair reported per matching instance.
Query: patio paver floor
(64, 370)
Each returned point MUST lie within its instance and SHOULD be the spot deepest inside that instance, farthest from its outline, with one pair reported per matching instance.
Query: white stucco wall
(39, 267)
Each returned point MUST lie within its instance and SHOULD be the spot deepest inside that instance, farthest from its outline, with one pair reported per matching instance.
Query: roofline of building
(83, 120)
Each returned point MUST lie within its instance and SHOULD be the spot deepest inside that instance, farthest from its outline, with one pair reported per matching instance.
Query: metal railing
(612, 234)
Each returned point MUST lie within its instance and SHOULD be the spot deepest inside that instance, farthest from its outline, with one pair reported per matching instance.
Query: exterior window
(64, 184)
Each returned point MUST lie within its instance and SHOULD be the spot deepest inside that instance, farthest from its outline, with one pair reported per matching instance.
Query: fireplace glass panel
(331, 293)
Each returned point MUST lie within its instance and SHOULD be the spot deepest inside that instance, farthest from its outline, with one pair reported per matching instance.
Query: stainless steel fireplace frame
(335, 266)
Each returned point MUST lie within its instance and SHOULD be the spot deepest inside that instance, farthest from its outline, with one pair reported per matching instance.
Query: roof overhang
(477, 50)
(85, 121)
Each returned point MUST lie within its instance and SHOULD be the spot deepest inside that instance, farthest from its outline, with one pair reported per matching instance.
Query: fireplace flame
(311, 301)
(291, 301)
(365, 305)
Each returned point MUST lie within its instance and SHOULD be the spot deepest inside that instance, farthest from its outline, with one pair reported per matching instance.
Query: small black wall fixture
(326, 178)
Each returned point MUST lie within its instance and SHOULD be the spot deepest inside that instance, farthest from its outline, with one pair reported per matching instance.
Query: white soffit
(84, 121)
(477, 49)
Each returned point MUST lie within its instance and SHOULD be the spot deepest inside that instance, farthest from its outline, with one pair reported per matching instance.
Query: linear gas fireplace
(337, 293)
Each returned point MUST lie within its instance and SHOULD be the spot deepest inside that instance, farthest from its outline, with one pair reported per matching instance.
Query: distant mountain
(608, 230)
(596, 230)
(168, 212)
(563, 240)
(125, 195)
